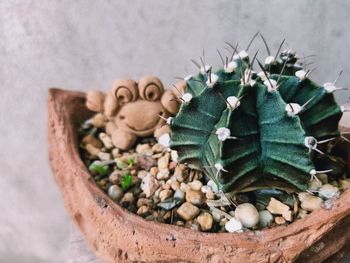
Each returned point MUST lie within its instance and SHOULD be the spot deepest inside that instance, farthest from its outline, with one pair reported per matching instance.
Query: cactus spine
(248, 130)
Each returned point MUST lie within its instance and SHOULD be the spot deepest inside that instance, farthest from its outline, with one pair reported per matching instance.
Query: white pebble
(328, 191)
(233, 225)
(115, 192)
(164, 140)
(247, 214)
(213, 186)
(265, 218)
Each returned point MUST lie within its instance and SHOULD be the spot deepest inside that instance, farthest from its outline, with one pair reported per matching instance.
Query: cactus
(248, 130)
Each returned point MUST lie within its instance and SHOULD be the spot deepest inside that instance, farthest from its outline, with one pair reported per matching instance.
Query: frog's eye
(151, 88)
(125, 91)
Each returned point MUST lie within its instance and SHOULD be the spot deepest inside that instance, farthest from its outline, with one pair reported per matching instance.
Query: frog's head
(137, 107)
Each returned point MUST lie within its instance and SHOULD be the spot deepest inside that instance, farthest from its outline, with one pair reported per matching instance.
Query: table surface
(78, 251)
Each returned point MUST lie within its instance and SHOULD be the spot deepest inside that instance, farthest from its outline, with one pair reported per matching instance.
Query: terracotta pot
(116, 235)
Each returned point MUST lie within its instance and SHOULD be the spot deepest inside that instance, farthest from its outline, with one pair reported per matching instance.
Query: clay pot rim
(277, 232)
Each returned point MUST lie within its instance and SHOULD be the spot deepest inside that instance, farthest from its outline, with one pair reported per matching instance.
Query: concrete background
(87, 44)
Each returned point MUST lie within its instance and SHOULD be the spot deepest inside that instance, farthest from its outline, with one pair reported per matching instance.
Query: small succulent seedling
(99, 168)
(126, 181)
(248, 130)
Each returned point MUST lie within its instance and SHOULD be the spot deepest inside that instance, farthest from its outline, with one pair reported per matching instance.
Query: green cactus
(247, 131)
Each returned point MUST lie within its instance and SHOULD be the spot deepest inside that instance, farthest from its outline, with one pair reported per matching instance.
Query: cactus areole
(248, 130)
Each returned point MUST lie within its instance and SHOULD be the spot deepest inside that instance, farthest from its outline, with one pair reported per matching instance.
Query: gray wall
(87, 44)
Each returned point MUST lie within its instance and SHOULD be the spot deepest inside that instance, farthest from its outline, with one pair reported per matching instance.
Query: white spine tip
(230, 67)
(271, 85)
(233, 102)
(213, 78)
(293, 109)
(243, 54)
(219, 167)
(330, 87)
(313, 172)
(301, 74)
(169, 120)
(187, 97)
(223, 134)
(269, 60)
(164, 140)
(247, 78)
(205, 69)
(188, 77)
(310, 142)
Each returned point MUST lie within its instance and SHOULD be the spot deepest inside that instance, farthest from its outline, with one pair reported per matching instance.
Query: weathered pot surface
(117, 235)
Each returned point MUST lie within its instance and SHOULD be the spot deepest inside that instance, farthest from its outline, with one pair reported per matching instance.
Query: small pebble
(99, 120)
(184, 187)
(205, 220)
(280, 220)
(196, 185)
(149, 185)
(174, 156)
(195, 197)
(146, 163)
(115, 153)
(213, 186)
(328, 191)
(216, 216)
(90, 139)
(154, 171)
(180, 173)
(115, 192)
(175, 185)
(157, 148)
(165, 194)
(163, 174)
(187, 211)
(141, 148)
(323, 178)
(106, 140)
(163, 162)
(104, 156)
(233, 225)
(192, 225)
(179, 195)
(92, 150)
(115, 177)
(141, 174)
(143, 210)
(309, 202)
(302, 213)
(288, 215)
(265, 218)
(210, 195)
(143, 201)
(127, 200)
(344, 184)
(247, 214)
(315, 184)
(277, 207)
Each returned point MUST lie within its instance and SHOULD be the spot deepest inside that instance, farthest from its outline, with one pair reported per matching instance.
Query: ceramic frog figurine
(135, 109)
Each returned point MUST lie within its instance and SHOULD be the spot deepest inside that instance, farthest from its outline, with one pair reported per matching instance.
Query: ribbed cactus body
(244, 129)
